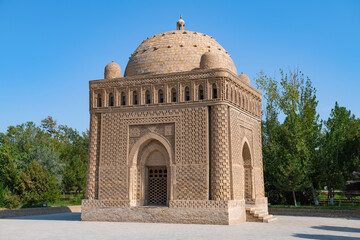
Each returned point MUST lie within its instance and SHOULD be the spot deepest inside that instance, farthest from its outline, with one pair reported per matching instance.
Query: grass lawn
(335, 206)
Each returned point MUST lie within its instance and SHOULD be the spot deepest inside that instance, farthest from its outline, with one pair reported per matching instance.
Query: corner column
(93, 159)
(220, 160)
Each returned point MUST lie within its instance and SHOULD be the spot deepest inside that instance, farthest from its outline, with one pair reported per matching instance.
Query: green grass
(65, 200)
(339, 207)
(61, 203)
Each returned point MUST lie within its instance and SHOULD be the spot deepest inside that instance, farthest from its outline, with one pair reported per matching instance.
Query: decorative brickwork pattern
(136, 183)
(113, 184)
(198, 204)
(238, 182)
(259, 182)
(191, 182)
(93, 161)
(248, 184)
(220, 163)
(87, 203)
(212, 204)
(137, 131)
(111, 142)
(194, 132)
(236, 138)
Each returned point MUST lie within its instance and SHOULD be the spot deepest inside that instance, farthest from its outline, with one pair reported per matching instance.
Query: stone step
(255, 210)
(261, 214)
(272, 219)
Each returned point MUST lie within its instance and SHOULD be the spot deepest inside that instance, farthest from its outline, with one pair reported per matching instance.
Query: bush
(2, 195)
(36, 185)
(12, 201)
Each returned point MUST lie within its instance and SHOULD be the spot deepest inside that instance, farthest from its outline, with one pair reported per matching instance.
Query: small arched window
(240, 94)
(160, 96)
(187, 94)
(111, 100)
(201, 92)
(99, 100)
(135, 98)
(214, 91)
(243, 101)
(147, 97)
(123, 99)
(173, 95)
(236, 96)
(250, 105)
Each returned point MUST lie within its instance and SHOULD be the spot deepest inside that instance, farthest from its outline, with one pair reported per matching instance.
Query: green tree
(288, 148)
(49, 158)
(36, 185)
(340, 148)
(8, 172)
(75, 175)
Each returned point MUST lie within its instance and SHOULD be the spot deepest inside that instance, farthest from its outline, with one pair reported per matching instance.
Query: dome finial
(180, 25)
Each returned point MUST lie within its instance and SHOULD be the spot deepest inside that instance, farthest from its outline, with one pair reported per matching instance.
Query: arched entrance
(150, 178)
(157, 175)
(247, 173)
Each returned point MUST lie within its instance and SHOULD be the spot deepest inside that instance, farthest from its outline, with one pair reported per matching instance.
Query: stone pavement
(69, 226)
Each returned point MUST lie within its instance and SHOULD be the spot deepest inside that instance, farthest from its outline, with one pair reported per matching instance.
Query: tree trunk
(294, 198)
(331, 196)
(316, 201)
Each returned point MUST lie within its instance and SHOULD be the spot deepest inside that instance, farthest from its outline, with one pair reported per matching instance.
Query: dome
(181, 21)
(112, 70)
(175, 51)
(243, 77)
(209, 60)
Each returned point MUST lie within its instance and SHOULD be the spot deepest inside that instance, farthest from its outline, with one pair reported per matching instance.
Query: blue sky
(49, 50)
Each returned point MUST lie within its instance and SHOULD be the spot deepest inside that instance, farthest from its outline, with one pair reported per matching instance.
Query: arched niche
(150, 153)
(248, 172)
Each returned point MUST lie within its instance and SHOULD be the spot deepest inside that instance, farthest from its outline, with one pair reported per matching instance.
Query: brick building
(177, 139)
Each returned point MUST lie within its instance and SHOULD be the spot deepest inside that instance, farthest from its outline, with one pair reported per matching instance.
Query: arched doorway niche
(248, 173)
(151, 171)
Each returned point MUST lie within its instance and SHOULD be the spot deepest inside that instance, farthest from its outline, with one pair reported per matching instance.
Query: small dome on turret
(209, 60)
(112, 70)
(180, 24)
(243, 77)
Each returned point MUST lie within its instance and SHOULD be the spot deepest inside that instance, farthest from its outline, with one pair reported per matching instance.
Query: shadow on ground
(323, 237)
(75, 216)
(339, 229)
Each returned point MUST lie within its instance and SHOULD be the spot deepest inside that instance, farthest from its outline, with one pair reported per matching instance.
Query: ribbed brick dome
(175, 51)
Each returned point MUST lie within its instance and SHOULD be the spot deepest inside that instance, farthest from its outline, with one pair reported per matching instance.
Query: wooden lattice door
(157, 188)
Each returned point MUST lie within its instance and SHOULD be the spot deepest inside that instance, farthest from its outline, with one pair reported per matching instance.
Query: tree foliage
(289, 148)
(36, 185)
(61, 151)
(340, 148)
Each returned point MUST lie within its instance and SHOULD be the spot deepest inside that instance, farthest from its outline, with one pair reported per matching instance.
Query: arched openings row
(243, 99)
(234, 94)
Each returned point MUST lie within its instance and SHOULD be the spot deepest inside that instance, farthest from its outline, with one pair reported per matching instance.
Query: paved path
(69, 226)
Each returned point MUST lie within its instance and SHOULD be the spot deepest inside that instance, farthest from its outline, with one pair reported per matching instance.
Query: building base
(178, 211)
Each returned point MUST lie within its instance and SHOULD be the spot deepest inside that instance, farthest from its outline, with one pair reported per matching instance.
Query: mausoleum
(177, 139)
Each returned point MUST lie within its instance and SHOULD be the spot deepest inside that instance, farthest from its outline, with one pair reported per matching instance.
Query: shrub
(2, 195)
(36, 185)
(12, 201)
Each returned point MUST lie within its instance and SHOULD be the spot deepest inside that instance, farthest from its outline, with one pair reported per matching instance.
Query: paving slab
(69, 226)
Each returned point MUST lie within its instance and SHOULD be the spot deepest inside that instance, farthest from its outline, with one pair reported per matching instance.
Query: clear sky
(49, 50)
